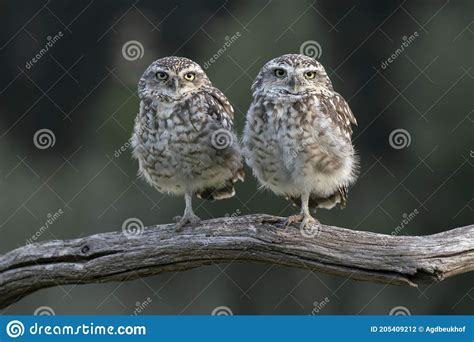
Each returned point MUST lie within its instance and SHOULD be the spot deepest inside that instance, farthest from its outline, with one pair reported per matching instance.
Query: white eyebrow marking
(191, 69)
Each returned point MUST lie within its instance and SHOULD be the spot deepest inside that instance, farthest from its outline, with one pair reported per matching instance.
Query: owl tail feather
(339, 197)
(212, 194)
(224, 191)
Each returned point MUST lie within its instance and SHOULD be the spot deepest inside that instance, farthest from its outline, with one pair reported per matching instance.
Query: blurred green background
(84, 91)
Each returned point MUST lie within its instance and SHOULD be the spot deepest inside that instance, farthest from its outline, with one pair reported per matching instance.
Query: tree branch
(396, 260)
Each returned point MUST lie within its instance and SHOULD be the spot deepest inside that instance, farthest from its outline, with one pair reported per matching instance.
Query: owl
(184, 137)
(297, 136)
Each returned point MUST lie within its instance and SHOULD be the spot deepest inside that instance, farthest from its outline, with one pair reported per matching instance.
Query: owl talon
(187, 219)
(292, 219)
(308, 221)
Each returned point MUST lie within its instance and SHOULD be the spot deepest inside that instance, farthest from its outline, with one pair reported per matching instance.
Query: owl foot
(307, 223)
(292, 219)
(187, 219)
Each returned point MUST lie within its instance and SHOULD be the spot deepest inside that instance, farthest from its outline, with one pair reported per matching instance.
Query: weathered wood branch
(116, 256)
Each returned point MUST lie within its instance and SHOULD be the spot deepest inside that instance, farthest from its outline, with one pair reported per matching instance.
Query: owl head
(291, 75)
(171, 78)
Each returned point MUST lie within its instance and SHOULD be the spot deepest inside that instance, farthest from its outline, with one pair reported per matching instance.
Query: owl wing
(334, 106)
(219, 108)
(339, 197)
(221, 112)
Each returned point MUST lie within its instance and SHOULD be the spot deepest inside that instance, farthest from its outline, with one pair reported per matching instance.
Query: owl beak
(293, 84)
(174, 84)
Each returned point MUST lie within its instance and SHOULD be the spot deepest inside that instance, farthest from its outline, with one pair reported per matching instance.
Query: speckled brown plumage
(184, 137)
(297, 137)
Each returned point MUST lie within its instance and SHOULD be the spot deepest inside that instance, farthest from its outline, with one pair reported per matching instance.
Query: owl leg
(189, 217)
(304, 217)
(307, 220)
(296, 218)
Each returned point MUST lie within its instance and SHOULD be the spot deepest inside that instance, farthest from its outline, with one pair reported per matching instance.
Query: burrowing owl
(184, 138)
(297, 136)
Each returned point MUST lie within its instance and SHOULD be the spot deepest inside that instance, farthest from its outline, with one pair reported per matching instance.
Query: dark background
(84, 91)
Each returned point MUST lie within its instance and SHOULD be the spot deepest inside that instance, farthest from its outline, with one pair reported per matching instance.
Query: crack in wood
(358, 255)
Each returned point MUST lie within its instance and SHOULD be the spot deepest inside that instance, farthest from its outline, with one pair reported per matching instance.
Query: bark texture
(121, 256)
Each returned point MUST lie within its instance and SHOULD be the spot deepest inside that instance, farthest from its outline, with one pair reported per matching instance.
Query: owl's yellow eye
(280, 73)
(161, 75)
(190, 76)
(310, 75)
